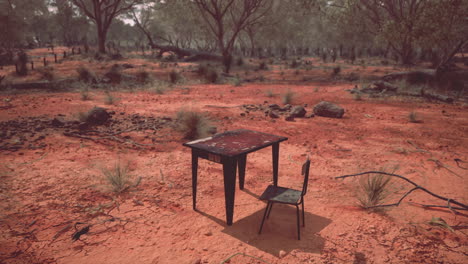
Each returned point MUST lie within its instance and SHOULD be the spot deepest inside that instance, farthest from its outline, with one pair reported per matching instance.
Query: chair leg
(303, 217)
(269, 211)
(298, 224)
(264, 216)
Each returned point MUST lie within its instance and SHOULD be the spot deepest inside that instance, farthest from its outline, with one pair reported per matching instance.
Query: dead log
(449, 201)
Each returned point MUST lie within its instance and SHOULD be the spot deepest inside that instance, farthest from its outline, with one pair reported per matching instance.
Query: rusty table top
(235, 142)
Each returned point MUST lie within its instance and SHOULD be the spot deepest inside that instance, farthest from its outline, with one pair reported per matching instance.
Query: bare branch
(448, 200)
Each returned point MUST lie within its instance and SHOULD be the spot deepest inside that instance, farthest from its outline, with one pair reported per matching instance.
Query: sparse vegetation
(174, 77)
(288, 97)
(270, 93)
(142, 76)
(414, 117)
(85, 94)
(336, 71)
(193, 124)
(86, 75)
(263, 66)
(373, 190)
(212, 76)
(119, 178)
(109, 99)
(237, 81)
(357, 96)
(47, 73)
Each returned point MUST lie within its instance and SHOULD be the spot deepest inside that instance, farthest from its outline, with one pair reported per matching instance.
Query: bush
(119, 178)
(263, 66)
(288, 97)
(240, 61)
(295, 64)
(373, 190)
(194, 125)
(109, 99)
(174, 77)
(212, 76)
(270, 93)
(352, 77)
(47, 73)
(413, 117)
(85, 95)
(237, 81)
(202, 70)
(336, 71)
(114, 74)
(142, 77)
(86, 75)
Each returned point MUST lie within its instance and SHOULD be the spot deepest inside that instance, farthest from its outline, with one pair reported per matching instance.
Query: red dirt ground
(45, 192)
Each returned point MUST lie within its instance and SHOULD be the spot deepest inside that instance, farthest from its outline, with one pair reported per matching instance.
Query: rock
(298, 111)
(209, 233)
(97, 116)
(273, 114)
(309, 115)
(274, 107)
(328, 109)
(287, 107)
(282, 254)
(289, 117)
(127, 66)
(57, 123)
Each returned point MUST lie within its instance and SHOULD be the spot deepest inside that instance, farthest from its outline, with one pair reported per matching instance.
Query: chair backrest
(305, 173)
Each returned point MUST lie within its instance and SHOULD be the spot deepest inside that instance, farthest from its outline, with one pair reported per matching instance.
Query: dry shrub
(119, 177)
(212, 76)
(85, 96)
(86, 75)
(336, 70)
(47, 73)
(109, 99)
(142, 77)
(373, 190)
(413, 117)
(193, 124)
(288, 97)
(174, 77)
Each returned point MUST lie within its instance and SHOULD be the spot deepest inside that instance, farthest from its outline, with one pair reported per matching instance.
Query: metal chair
(275, 194)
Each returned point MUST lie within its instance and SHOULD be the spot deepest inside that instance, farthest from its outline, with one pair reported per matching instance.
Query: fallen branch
(417, 187)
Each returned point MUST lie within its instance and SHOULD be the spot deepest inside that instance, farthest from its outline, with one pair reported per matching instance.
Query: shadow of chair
(275, 194)
(278, 234)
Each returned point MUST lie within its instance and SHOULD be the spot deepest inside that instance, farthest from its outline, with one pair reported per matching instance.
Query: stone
(327, 109)
(97, 116)
(273, 114)
(56, 123)
(282, 254)
(289, 118)
(298, 111)
(274, 106)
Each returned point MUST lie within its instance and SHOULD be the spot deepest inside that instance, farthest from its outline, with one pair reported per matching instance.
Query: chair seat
(281, 195)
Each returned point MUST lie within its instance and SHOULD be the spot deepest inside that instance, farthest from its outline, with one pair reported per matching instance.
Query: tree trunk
(102, 40)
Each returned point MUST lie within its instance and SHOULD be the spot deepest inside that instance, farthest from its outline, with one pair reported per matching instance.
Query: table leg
(275, 152)
(242, 160)
(229, 171)
(194, 178)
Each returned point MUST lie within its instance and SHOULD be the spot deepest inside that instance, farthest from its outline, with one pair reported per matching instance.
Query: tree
(227, 18)
(407, 24)
(102, 12)
(17, 19)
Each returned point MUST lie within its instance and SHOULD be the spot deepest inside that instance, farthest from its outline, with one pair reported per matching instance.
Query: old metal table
(230, 149)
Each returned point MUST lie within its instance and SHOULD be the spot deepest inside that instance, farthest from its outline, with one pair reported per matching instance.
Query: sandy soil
(45, 192)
